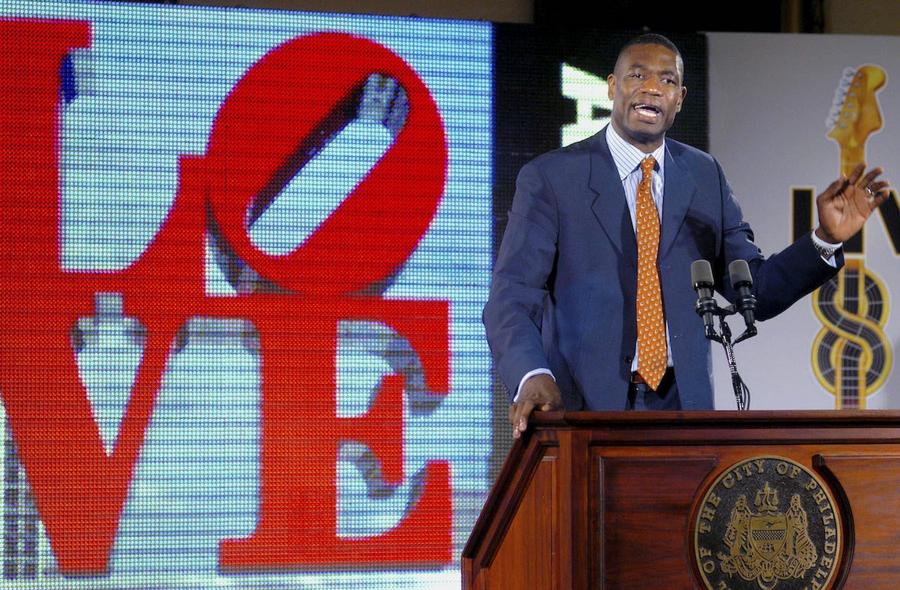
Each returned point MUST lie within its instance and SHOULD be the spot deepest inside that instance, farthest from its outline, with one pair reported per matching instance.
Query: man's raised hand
(847, 203)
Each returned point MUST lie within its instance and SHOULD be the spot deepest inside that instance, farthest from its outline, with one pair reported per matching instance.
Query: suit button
(627, 359)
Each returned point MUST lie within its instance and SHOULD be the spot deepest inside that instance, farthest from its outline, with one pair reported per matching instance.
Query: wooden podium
(684, 500)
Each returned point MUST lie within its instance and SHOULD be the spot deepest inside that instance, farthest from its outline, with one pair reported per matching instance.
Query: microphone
(708, 309)
(742, 281)
(702, 278)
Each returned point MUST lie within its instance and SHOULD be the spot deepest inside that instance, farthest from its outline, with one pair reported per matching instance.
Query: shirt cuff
(823, 245)
(528, 375)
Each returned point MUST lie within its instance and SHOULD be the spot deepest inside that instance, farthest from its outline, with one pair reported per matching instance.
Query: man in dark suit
(591, 305)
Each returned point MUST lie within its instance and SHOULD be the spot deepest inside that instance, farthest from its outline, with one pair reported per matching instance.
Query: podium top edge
(770, 418)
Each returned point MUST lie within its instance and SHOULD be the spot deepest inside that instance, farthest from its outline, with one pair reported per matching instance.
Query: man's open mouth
(647, 112)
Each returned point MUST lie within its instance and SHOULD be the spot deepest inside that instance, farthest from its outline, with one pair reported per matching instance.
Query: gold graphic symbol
(851, 354)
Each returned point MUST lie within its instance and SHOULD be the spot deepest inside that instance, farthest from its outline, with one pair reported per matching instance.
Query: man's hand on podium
(538, 393)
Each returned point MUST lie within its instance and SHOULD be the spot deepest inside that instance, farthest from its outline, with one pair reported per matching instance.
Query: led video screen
(244, 257)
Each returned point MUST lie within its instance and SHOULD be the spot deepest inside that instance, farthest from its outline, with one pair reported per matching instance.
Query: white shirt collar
(627, 157)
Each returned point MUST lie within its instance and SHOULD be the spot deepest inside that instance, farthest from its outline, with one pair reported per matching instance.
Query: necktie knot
(647, 165)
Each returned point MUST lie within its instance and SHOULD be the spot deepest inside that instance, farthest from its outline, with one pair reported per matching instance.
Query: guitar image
(851, 356)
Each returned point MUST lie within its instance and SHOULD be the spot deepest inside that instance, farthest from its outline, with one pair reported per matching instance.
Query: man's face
(646, 92)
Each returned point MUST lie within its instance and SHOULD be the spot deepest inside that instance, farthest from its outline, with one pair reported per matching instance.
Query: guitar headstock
(855, 114)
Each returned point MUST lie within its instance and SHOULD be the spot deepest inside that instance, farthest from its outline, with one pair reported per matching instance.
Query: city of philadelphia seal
(767, 523)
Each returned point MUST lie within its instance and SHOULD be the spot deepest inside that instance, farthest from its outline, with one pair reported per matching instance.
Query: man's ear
(681, 100)
(611, 86)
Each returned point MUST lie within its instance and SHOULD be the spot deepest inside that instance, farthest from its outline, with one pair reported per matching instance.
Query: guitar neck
(850, 377)
(851, 157)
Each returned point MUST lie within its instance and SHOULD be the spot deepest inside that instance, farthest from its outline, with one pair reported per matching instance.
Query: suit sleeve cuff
(824, 248)
(528, 375)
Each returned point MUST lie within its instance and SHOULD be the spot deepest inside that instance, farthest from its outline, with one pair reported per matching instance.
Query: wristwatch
(826, 251)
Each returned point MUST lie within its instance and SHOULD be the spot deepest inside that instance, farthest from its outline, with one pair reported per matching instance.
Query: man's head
(646, 89)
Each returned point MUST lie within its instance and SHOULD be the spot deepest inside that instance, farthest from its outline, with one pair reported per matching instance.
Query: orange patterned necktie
(651, 326)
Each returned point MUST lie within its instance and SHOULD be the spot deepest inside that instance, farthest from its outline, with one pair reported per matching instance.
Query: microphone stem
(741, 391)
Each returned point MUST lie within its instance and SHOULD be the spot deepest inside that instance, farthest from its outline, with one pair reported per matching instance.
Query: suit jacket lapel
(678, 191)
(609, 204)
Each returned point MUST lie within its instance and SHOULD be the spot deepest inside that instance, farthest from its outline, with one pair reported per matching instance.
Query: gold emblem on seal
(767, 523)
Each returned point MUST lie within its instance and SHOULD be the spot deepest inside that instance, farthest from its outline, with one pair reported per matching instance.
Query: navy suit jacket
(565, 280)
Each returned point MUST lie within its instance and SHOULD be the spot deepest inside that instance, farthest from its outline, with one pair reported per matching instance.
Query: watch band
(826, 252)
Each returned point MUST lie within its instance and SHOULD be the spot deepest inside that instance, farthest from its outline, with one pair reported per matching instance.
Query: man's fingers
(867, 180)
(877, 187)
(522, 413)
(880, 197)
(834, 188)
(857, 173)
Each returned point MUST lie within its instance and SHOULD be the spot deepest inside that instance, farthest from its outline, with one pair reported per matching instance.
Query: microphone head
(739, 272)
(701, 274)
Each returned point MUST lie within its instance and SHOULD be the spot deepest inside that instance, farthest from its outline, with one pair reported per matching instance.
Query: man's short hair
(654, 39)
